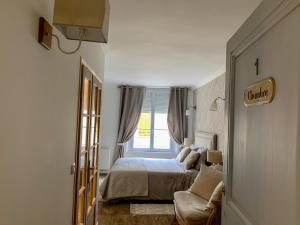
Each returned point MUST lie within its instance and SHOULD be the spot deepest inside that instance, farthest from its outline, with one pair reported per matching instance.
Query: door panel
(93, 152)
(81, 182)
(88, 145)
(261, 174)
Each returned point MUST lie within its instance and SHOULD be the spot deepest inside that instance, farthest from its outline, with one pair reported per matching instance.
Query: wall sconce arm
(69, 52)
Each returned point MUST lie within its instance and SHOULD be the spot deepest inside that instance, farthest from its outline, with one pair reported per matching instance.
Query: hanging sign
(262, 92)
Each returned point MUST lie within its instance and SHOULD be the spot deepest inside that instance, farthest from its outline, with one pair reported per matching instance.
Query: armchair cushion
(206, 182)
(190, 208)
(216, 196)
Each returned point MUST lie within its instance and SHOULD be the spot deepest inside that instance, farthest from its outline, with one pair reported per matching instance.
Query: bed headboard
(205, 139)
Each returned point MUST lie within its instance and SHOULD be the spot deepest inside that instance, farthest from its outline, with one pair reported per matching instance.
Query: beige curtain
(130, 111)
(177, 121)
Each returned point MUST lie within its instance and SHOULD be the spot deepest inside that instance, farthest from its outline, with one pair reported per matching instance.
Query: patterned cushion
(183, 154)
(190, 161)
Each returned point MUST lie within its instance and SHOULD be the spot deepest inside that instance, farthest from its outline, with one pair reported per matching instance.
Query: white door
(262, 153)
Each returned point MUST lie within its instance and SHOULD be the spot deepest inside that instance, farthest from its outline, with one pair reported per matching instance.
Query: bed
(151, 179)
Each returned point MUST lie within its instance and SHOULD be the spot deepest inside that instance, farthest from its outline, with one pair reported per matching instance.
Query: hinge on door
(256, 64)
(73, 169)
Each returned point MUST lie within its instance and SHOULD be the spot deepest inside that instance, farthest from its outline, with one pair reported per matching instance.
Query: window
(152, 133)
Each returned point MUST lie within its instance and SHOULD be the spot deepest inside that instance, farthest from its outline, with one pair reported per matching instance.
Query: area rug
(152, 209)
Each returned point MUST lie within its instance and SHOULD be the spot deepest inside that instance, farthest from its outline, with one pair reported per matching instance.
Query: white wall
(38, 95)
(110, 118)
(207, 120)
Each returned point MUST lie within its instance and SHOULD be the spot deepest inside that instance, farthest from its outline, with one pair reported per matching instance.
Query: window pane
(161, 100)
(160, 121)
(161, 139)
(96, 156)
(83, 133)
(94, 102)
(141, 139)
(86, 95)
(82, 170)
(145, 121)
(155, 105)
(147, 102)
(142, 135)
(92, 130)
(91, 158)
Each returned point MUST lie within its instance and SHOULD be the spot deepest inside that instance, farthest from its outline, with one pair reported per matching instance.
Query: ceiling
(171, 42)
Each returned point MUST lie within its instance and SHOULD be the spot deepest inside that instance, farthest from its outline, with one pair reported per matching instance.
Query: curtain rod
(154, 87)
(129, 86)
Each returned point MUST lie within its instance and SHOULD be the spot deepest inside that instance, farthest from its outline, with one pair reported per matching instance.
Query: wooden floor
(119, 214)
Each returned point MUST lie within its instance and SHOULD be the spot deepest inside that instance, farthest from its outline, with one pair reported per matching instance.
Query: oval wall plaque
(262, 92)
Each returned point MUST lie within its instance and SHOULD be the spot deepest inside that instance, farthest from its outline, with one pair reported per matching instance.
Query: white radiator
(104, 159)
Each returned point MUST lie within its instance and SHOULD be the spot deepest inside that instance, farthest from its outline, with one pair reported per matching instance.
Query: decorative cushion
(190, 161)
(203, 157)
(206, 182)
(216, 196)
(190, 208)
(183, 154)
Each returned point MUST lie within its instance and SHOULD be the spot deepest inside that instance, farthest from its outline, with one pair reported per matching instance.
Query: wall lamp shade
(214, 104)
(72, 17)
(187, 142)
(214, 157)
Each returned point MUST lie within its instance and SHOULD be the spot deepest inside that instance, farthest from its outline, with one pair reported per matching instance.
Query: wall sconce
(214, 104)
(189, 111)
(77, 20)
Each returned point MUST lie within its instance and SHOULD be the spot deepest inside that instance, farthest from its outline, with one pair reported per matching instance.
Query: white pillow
(206, 182)
(194, 147)
(183, 154)
(190, 161)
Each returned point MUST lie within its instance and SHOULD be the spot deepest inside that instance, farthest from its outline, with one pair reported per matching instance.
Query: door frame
(266, 16)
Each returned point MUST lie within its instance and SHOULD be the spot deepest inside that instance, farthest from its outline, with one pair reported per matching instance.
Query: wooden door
(87, 153)
(262, 145)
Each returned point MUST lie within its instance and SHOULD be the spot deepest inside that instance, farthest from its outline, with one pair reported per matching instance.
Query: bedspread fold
(127, 178)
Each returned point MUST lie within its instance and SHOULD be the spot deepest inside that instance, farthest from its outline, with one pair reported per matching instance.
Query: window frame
(152, 149)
